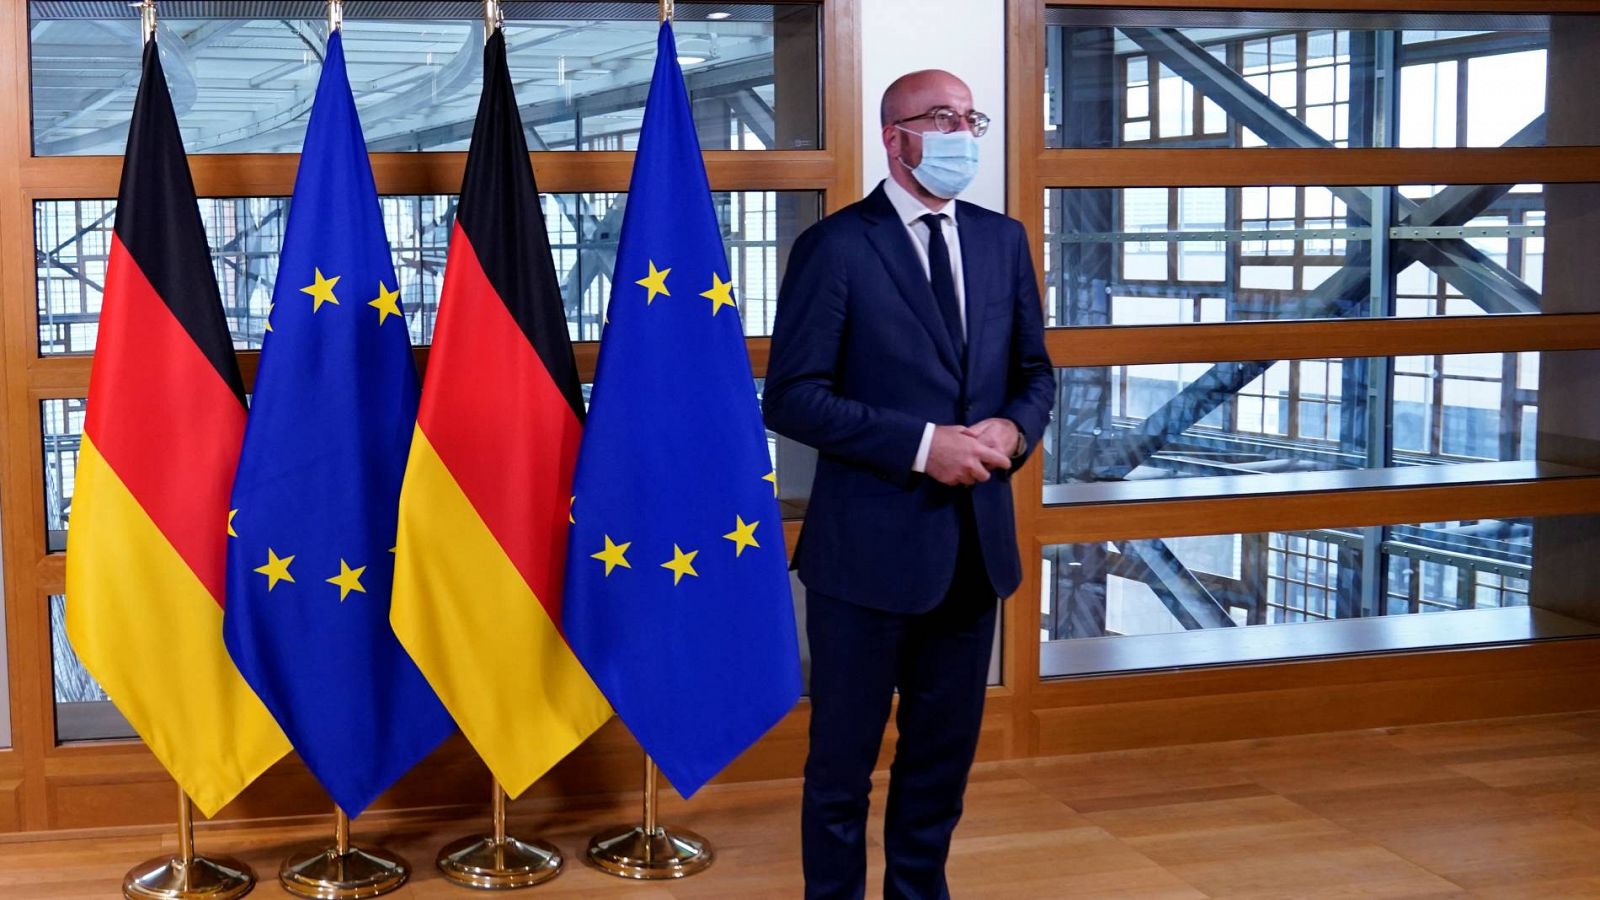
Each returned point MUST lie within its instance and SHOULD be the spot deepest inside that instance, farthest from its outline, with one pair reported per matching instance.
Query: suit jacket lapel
(888, 236)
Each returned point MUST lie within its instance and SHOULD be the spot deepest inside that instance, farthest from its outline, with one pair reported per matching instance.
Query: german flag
(487, 495)
(147, 546)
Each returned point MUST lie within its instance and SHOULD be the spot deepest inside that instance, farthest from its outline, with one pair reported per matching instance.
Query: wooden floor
(1501, 808)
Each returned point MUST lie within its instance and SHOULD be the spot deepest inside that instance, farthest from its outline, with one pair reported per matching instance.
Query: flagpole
(342, 871)
(147, 19)
(186, 876)
(335, 15)
(497, 862)
(494, 18)
(666, 10)
(649, 852)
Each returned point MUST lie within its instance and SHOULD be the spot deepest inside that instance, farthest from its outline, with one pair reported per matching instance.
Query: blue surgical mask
(949, 162)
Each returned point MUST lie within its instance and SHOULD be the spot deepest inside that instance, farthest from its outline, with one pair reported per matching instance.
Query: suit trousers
(939, 662)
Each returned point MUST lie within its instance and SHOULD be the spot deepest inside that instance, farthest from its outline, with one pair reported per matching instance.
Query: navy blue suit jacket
(861, 361)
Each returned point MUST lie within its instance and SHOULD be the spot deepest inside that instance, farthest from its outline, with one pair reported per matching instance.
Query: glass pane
(1315, 79)
(72, 238)
(83, 711)
(1143, 256)
(1131, 592)
(1182, 420)
(61, 424)
(242, 75)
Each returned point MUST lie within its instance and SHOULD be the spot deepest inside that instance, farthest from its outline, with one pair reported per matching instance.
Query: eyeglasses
(948, 120)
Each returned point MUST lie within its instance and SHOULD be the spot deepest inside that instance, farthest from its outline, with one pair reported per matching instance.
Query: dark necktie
(944, 282)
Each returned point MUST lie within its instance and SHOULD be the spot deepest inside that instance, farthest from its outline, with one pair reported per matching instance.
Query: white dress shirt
(911, 210)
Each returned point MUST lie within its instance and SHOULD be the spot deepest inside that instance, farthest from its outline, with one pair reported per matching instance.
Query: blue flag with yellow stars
(313, 515)
(677, 595)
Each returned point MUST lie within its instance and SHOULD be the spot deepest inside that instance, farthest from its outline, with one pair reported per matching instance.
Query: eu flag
(313, 515)
(677, 597)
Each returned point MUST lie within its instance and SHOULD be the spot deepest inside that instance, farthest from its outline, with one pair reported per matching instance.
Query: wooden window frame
(44, 785)
(1261, 698)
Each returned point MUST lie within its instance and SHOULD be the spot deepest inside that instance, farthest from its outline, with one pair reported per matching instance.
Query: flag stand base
(342, 872)
(631, 852)
(186, 876)
(170, 878)
(480, 862)
(649, 852)
(496, 862)
(327, 875)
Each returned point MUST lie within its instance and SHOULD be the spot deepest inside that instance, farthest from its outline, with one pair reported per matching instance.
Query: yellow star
(656, 282)
(348, 580)
(772, 477)
(269, 315)
(322, 291)
(571, 503)
(612, 555)
(681, 564)
(743, 535)
(276, 569)
(231, 514)
(720, 295)
(386, 304)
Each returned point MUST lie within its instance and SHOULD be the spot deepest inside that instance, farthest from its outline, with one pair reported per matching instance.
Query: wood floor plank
(1506, 809)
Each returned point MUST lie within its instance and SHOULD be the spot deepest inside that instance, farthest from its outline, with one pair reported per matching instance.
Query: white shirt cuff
(921, 464)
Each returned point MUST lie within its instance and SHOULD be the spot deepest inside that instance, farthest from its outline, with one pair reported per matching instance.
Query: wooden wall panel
(21, 501)
(121, 784)
(1151, 167)
(10, 804)
(1321, 338)
(1320, 509)
(1232, 703)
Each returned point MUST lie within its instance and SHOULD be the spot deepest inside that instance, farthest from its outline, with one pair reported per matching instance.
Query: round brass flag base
(662, 853)
(482, 862)
(323, 873)
(169, 878)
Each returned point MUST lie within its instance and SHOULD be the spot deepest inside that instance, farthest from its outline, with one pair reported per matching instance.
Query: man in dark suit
(909, 350)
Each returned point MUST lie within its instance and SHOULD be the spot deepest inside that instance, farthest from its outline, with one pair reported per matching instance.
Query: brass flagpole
(649, 852)
(341, 872)
(183, 876)
(494, 18)
(186, 876)
(496, 861)
(147, 20)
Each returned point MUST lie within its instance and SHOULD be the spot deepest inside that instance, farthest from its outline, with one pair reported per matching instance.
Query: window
(1168, 255)
(244, 84)
(1183, 420)
(759, 75)
(1116, 603)
(1343, 254)
(73, 239)
(1227, 78)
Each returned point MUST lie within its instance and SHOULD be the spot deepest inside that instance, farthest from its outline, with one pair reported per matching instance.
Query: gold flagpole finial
(335, 15)
(494, 18)
(666, 10)
(147, 19)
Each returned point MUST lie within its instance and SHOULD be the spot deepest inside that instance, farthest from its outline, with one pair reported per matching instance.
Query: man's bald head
(915, 93)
